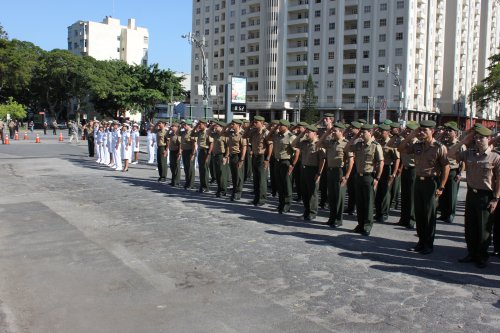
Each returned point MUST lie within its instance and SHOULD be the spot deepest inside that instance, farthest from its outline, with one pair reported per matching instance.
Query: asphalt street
(87, 249)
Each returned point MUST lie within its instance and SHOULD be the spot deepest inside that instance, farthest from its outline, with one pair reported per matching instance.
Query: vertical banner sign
(383, 110)
(239, 95)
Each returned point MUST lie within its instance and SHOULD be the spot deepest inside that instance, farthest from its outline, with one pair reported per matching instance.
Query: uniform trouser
(248, 165)
(496, 229)
(478, 223)
(91, 146)
(408, 176)
(365, 196)
(383, 195)
(259, 179)
(283, 184)
(323, 187)
(161, 162)
(425, 210)
(188, 168)
(54, 130)
(203, 167)
(395, 191)
(296, 179)
(11, 133)
(175, 166)
(336, 194)
(448, 200)
(98, 151)
(272, 175)
(221, 173)
(351, 190)
(236, 175)
(309, 190)
(105, 154)
(117, 157)
(211, 166)
(45, 131)
(151, 153)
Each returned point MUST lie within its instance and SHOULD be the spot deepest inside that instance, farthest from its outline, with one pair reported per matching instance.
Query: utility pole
(397, 83)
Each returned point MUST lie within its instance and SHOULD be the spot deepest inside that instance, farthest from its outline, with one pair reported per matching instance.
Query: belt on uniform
(361, 174)
(283, 159)
(426, 177)
(408, 167)
(475, 190)
(337, 167)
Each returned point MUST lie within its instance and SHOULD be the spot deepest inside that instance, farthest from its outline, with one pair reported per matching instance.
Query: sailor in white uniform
(116, 144)
(126, 146)
(151, 145)
(134, 134)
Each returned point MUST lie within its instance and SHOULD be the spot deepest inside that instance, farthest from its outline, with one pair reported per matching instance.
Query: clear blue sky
(45, 23)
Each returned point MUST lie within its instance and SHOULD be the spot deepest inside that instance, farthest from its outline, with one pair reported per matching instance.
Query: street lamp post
(199, 42)
(297, 115)
(397, 83)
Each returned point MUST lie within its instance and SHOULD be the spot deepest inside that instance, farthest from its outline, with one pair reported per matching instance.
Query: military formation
(347, 168)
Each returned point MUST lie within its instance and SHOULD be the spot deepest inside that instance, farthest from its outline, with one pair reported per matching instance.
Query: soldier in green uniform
(432, 169)
(369, 160)
(257, 145)
(280, 145)
(339, 167)
(188, 152)
(301, 127)
(247, 172)
(448, 200)
(161, 151)
(352, 132)
(396, 182)
(205, 145)
(221, 164)
(237, 147)
(313, 162)
(391, 166)
(408, 176)
(272, 161)
(326, 124)
(483, 192)
(174, 147)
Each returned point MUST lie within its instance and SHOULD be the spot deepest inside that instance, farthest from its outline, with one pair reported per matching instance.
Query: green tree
(489, 89)
(12, 108)
(3, 33)
(309, 113)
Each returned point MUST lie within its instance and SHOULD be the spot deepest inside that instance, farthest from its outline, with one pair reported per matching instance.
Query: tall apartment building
(472, 36)
(108, 40)
(346, 45)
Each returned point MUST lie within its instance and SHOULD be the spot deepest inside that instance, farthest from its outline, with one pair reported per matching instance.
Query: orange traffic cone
(16, 136)
(37, 140)
(26, 136)
(61, 139)
(6, 141)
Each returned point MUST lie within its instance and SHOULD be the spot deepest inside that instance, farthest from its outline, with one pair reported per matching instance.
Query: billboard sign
(238, 90)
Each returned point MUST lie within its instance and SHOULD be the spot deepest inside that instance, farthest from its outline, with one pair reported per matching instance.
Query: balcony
(295, 63)
(298, 35)
(297, 21)
(295, 77)
(295, 48)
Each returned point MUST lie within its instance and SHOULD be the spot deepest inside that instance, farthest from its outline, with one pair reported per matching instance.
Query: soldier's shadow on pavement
(441, 266)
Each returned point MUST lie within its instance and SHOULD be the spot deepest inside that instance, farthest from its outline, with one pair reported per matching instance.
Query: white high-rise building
(346, 45)
(108, 40)
(472, 36)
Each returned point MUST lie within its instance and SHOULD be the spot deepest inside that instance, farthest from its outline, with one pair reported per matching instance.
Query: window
(368, 9)
(216, 30)
(231, 38)
(243, 24)
(207, 20)
(231, 26)
(380, 83)
(399, 51)
(317, 13)
(332, 11)
(366, 24)
(366, 39)
(330, 70)
(383, 22)
(207, 32)
(243, 11)
(400, 4)
(381, 68)
(366, 69)
(366, 54)
(298, 57)
(381, 38)
(316, 70)
(317, 27)
(316, 41)
(331, 40)
(364, 99)
(242, 49)
(331, 26)
(197, 21)
(243, 37)
(198, 10)
(399, 36)
(231, 63)
(381, 53)
(399, 20)
(383, 6)
(331, 55)
(242, 62)
(316, 56)
(329, 84)
(207, 9)
(364, 84)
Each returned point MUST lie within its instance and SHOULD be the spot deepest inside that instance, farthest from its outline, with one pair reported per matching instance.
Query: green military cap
(187, 122)
(387, 121)
(203, 121)
(451, 125)
(237, 122)
(375, 126)
(367, 127)
(428, 124)
(284, 122)
(311, 128)
(275, 122)
(303, 124)
(339, 125)
(484, 131)
(292, 123)
(413, 125)
(328, 115)
(220, 123)
(384, 127)
(356, 124)
(477, 125)
(361, 121)
(395, 125)
(259, 118)
(246, 121)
